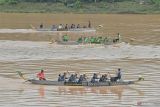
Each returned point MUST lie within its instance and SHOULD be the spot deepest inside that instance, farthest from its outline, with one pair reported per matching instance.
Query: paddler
(119, 74)
(41, 26)
(62, 77)
(82, 78)
(108, 76)
(102, 78)
(89, 24)
(94, 78)
(59, 77)
(73, 78)
(41, 75)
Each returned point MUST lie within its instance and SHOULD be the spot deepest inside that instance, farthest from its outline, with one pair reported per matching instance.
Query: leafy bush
(77, 4)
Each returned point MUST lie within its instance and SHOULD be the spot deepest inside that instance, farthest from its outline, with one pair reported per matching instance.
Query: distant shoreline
(89, 8)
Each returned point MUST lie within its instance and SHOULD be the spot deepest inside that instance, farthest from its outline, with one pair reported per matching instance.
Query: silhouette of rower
(89, 24)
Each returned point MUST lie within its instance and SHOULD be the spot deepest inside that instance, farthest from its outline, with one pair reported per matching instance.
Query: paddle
(21, 75)
(32, 26)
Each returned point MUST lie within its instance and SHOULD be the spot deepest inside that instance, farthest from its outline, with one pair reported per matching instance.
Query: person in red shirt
(41, 75)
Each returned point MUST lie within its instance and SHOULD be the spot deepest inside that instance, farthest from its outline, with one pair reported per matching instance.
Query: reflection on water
(72, 90)
(41, 91)
(116, 90)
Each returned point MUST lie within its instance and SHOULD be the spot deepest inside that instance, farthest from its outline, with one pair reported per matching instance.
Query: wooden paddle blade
(21, 75)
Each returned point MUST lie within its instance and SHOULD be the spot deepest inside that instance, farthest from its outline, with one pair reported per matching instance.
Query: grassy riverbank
(101, 7)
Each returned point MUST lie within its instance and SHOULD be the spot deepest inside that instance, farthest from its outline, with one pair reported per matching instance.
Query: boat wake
(25, 50)
(40, 31)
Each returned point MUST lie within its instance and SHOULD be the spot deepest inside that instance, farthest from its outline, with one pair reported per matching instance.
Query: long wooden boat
(86, 83)
(90, 41)
(56, 83)
(68, 43)
(76, 43)
(71, 30)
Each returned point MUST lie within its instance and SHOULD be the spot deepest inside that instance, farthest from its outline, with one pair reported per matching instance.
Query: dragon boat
(86, 83)
(69, 30)
(65, 40)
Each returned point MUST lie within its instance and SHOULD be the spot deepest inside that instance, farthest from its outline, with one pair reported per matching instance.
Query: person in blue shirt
(73, 78)
(62, 77)
(94, 78)
(82, 78)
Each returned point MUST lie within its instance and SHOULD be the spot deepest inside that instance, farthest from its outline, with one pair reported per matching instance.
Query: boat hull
(68, 43)
(56, 83)
(72, 30)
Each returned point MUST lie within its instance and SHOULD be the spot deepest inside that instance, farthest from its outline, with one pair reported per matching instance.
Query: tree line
(156, 2)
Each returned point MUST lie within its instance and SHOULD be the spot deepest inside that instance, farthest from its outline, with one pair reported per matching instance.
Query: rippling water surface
(134, 28)
(142, 58)
(18, 50)
(30, 57)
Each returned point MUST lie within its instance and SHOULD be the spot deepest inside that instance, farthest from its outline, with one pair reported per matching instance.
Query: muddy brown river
(139, 54)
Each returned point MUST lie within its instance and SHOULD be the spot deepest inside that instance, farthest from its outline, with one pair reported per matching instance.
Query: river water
(29, 57)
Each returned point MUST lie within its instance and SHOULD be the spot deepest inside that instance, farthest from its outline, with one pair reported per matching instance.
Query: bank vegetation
(80, 6)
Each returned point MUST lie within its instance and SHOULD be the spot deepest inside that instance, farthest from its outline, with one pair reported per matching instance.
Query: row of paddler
(67, 26)
(95, 78)
(68, 77)
(94, 40)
